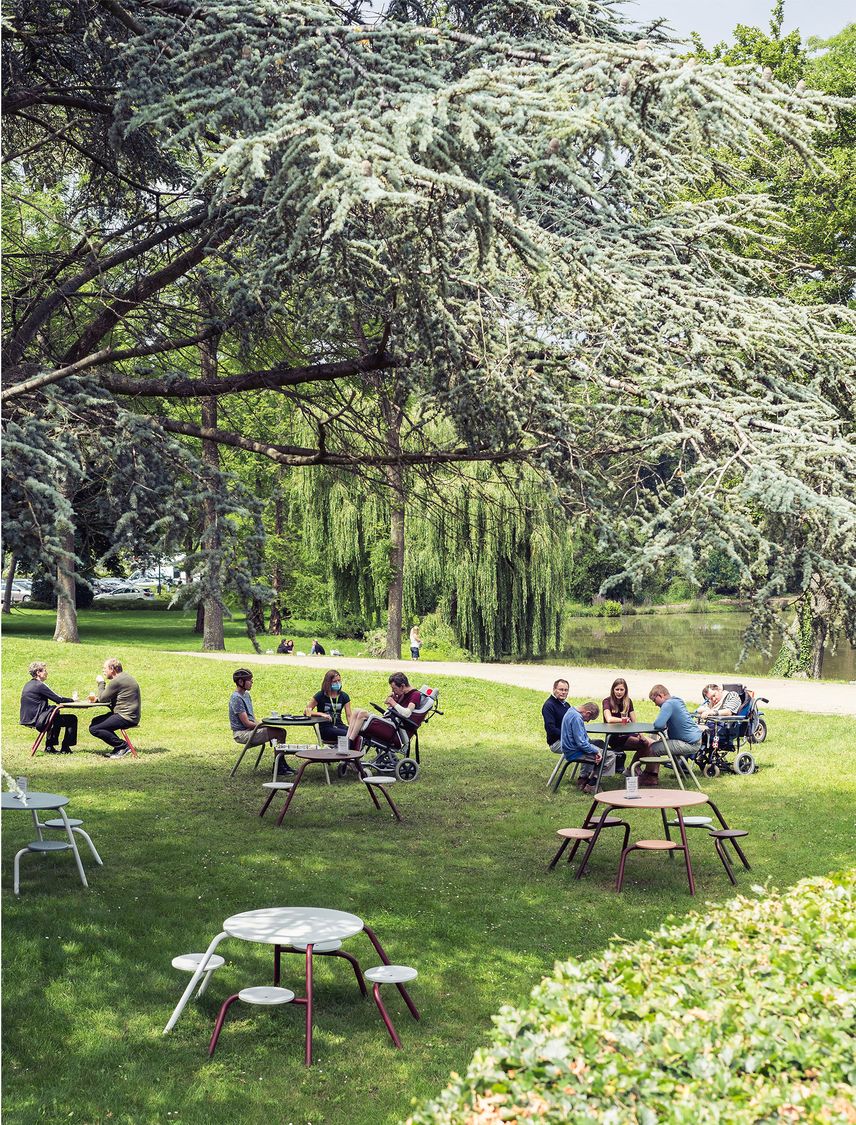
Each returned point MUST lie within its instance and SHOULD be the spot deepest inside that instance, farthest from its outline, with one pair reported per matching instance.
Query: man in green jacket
(122, 692)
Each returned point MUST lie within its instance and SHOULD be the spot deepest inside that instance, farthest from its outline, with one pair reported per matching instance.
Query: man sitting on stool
(553, 712)
(37, 705)
(122, 693)
(674, 725)
(578, 747)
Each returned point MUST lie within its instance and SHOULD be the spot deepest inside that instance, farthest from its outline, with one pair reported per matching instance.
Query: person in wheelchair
(400, 703)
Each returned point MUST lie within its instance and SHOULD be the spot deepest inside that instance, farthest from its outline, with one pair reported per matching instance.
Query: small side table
(39, 802)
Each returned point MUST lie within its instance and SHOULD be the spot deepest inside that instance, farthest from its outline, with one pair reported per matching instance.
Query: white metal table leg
(73, 842)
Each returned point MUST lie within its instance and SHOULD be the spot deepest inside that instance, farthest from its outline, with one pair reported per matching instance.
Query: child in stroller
(406, 709)
(730, 714)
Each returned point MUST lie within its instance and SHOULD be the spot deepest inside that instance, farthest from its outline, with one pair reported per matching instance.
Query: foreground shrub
(743, 1014)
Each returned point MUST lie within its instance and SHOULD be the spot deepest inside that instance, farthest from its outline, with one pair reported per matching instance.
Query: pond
(689, 642)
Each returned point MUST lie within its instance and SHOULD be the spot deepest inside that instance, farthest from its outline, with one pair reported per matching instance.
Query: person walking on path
(415, 642)
(121, 692)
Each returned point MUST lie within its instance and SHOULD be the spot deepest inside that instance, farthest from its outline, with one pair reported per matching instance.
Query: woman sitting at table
(329, 704)
(618, 708)
(38, 704)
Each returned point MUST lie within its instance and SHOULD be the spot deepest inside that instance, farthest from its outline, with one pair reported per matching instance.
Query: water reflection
(689, 642)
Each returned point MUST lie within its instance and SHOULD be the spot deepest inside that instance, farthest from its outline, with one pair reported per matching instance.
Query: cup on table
(632, 787)
(74, 697)
(342, 744)
(23, 783)
(92, 697)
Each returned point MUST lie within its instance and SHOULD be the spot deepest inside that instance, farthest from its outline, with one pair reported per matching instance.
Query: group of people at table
(115, 689)
(332, 706)
(566, 732)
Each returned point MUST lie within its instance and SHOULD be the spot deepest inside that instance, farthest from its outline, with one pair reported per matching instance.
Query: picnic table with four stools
(660, 799)
(284, 723)
(35, 803)
(74, 705)
(305, 929)
(610, 731)
(325, 755)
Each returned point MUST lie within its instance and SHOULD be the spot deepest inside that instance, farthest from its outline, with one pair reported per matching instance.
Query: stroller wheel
(711, 770)
(406, 770)
(744, 763)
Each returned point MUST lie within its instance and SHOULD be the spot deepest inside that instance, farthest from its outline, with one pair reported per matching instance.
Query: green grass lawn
(460, 890)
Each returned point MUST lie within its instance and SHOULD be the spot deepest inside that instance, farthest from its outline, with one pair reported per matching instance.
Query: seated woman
(618, 708)
(329, 703)
(286, 647)
(402, 701)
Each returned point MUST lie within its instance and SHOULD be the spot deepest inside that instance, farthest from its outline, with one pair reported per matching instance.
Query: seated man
(553, 712)
(675, 724)
(578, 747)
(402, 700)
(122, 692)
(37, 705)
(242, 719)
(718, 702)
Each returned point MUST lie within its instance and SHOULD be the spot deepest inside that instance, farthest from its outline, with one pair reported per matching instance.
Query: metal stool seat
(693, 822)
(397, 975)
(42, 846)
(266, 996)
(382, 782)
(649, 846)
(586, 833)
(75, 825)
(189, 963)
(274, 787)
(720, 837)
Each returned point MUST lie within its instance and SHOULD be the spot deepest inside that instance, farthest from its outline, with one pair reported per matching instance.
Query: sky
(716, 19)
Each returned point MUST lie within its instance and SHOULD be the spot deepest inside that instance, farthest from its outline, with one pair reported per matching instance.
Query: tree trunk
(213, 639)
(275, 626)
(10, 578)
(819, 612)
(199, 627)
(66, 600)
(395, 479)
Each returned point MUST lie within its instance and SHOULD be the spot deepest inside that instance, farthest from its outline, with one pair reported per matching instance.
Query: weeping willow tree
(498, 209)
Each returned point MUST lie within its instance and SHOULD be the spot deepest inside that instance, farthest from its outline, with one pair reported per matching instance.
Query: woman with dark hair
(618, 708)
(329, 703)
(402, 700)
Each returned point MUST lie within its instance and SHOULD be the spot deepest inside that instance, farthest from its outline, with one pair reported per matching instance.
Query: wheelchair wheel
(711, 770)
(406, 770)
(744, 763)
(759, 734)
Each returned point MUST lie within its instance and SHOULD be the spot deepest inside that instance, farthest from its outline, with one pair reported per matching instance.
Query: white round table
(40, 802)
(285, 925)
(281, 926)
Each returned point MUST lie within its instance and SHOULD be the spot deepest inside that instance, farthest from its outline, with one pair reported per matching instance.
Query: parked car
(20, 594)
(126, 593)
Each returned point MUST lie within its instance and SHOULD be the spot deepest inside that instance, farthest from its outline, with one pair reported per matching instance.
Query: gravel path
(586, 683)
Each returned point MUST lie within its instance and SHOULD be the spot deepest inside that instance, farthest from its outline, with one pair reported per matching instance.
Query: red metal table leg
(686, 851)
(592, 841)
(291, 793)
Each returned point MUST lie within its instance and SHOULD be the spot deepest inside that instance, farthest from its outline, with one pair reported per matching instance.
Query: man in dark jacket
(37, 704)
(553, 712)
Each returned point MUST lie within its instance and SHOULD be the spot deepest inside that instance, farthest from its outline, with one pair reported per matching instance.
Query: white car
(123, 593)
(20, 594)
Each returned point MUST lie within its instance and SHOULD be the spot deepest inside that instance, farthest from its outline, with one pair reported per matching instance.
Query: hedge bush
(742, 1014)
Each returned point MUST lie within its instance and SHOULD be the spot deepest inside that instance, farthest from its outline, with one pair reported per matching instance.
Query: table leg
(372, 794)
(686, 848)
(73, 843)
(592, 841)
(203, 964)
(38, 824)
(308, 1059)
(277, 963)
(291, 793)
(373, 938)
(734, 843)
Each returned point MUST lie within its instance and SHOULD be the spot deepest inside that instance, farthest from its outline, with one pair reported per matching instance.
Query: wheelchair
(396, 760)
(723, 737)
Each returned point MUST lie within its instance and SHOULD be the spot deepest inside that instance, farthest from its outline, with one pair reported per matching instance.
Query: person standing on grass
(121, 692)
(553, 712)
(578, 747)
(415, 642)
(675, 726)
(37, 705)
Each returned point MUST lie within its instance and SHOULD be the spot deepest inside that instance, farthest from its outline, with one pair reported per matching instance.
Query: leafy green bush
(741, 1015)
(375, 642)
(439, 641)
(608, 608)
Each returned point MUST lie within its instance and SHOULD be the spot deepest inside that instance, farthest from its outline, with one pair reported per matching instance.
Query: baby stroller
(396, 760)
(723, 737)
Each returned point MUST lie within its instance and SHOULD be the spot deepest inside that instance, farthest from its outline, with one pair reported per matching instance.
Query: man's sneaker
(51, 750)
(120, 752)
(589, 790)
(285, 770)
